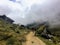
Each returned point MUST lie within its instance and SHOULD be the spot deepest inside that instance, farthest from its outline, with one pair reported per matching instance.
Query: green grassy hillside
(12, 34)
(54, 32)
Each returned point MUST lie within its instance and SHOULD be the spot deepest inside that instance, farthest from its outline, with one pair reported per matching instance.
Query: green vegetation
(12, 34)
(55, 32)
(48, 41)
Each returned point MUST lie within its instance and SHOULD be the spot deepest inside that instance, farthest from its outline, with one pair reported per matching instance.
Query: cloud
(29, 11)
(7, 6)
(39, 12)
(49, 11)
(4, 10)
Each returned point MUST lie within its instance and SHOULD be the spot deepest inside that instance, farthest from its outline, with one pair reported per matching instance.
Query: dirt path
(32, 40)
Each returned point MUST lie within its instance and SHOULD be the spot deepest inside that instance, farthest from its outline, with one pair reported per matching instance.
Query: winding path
(33, 40)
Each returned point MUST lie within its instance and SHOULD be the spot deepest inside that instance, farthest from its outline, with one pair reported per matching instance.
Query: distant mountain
(5, 18)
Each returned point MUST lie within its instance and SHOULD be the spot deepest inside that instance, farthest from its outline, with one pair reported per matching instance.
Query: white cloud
(27, 11)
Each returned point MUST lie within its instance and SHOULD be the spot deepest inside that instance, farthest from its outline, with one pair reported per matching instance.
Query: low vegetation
(50, 37)
(14, 34)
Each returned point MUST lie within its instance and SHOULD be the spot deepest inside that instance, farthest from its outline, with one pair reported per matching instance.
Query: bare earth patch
(33, 40)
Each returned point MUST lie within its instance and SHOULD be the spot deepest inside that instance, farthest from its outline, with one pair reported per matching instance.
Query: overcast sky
(29, 11)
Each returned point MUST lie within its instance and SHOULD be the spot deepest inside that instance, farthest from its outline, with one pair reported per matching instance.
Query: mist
(48, 12)
(30, 11)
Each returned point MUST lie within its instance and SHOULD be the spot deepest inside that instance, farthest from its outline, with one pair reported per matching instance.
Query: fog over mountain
(29, 11)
